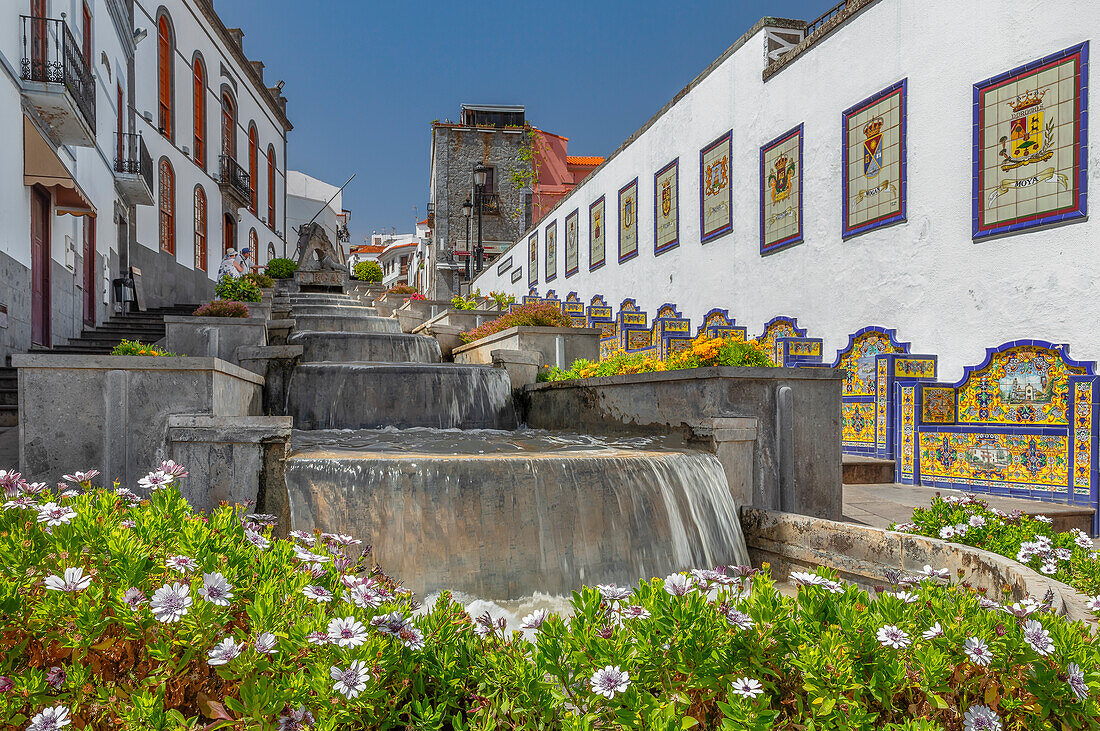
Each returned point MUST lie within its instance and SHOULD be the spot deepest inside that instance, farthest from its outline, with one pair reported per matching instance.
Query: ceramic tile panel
(1025, 384)
(778, 327)
(597, 234)
(781, 192)
(666, 204)
(858, 424)
(908, 431)
(937, 405)
(873, 170)
(572, 244)
(715, 191)
(1031, 461)
(717, 324)
(533, 259)
(1030, 152)
(628, 221)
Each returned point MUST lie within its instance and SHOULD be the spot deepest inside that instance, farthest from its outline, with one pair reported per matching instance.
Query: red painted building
(556, 171)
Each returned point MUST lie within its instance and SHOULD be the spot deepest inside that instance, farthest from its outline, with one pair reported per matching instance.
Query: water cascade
(423, 461)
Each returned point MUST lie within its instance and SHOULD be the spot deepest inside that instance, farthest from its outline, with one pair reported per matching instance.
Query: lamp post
(480, 173)
(467, 210)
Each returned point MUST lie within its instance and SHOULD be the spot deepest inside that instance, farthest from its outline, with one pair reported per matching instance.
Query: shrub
(461, 303)
(136, 347)
(368, 271)
(502, 299)
(134, 612)
(238, 290)
(704, 352)
(1069, 557)
(401, 289)
(281, 268)
(260, 280)
(222, 308)
(536, 314)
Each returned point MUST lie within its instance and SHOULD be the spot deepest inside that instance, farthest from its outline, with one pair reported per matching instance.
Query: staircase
(9, 397)
(148, 327)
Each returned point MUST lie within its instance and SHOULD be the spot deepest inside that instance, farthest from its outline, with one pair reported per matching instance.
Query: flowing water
(423, 461)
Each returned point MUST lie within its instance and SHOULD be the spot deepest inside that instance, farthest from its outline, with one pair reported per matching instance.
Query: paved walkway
(880, 505)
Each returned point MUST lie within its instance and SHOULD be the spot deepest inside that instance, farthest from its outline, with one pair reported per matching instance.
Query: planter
(558, 346)
(111, 413)
(864, 555)
(462, 319)
(214, 337)
(796, 453)
(412, 313)
(285, 287)
(365, 291)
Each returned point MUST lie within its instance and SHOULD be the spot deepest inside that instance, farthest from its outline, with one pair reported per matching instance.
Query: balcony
(133, 170)
(490, 204)
(57, 81)
(234, 181)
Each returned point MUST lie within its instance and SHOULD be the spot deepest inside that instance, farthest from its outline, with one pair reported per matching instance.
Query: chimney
(237, 35)
(258, 67)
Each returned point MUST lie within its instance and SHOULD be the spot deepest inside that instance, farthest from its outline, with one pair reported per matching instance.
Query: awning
(42, 166)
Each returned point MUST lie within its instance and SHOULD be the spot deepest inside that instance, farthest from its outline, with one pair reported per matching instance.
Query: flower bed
(704, 352)
(136, 347)
(118, 611)
(536, 314)
(1069, 557)
(222, 308)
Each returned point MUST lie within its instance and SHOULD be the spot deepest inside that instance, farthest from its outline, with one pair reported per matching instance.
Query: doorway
(40, 268)
(89, 271)
(229, 233)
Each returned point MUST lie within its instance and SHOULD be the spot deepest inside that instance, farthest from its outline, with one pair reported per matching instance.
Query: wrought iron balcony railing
(490, 204)
(51, 55)
(234, 178)
(132, 157)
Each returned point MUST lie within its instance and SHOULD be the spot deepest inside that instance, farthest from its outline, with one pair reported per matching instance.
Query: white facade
(943, 291)
(235, 97)
(309, 199)
(53, 148)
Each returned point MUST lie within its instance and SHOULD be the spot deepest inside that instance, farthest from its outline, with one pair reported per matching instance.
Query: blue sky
(365, 78)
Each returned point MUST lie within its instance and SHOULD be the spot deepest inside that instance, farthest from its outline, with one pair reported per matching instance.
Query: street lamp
(480, 174)
(467, 210)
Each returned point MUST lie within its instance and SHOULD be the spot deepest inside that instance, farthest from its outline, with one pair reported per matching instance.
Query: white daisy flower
(978, 651)
(170, 602)
(610, 680)
(1038, 638)
(535, 619)
(73, 580)
(932, 632)
(347, 632)
(677, 585)
(50, 719)
(747, 687)
(224, 651)
(216, 589)
(54, 515)
(317, 593)
(265, 643)
(350, 682)
(981, 718)
(893, 636)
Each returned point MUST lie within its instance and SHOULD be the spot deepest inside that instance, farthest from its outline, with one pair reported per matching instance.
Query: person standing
(231, 264)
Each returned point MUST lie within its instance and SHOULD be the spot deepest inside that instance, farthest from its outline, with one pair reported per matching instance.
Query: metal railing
(51, 55)
(235, 176)
(815, 25)
(490, 204)
(132, 157)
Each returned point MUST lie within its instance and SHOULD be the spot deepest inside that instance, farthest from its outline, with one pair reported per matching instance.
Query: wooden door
(86, 29)
(40, 267)
(229, 233)
(119, 150)
(39, 41)
(89, 271)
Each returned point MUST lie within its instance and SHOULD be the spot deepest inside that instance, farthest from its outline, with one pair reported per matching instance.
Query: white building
(401, 256)
(926, 267)
(67, 186)
(104, 168)
(217, 137)
(309, 199)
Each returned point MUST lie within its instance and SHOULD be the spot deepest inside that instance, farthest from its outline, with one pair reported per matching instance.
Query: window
(271, 251)
(200, 229)
(252, 167)
(253, 244)
(86, 46)
(119, 151)
(200, 113)
(271, 187)
(229, 126)
(164, 76)
(167, 207)
(490, 181)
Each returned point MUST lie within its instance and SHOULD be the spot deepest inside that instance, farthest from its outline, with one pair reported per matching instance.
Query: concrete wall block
(214, 337)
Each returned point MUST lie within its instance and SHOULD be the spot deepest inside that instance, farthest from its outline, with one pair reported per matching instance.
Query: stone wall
(166, 281)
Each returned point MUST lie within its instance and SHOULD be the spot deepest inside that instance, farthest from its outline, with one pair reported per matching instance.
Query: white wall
(194, 33)
(926, 277)
(308, 197)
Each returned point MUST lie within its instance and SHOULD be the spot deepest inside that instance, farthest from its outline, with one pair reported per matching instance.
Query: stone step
(9, 415)
(348, 310)
(856, 470)
(9, 396)
(378, 395)
(342, 347)
(359, 324)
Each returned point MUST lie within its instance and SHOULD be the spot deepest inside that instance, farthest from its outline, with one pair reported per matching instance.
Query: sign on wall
(715, 198)
(597, 234)
(874, 161)
(572, 243)
(552, 252)
(533, 259)
(628, 221)
(781, 192)
(517, 274)
(1029, 144)
(666, 201)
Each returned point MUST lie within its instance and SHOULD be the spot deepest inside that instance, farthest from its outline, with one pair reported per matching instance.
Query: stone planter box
(111, 413)
(796, 452)
(214, 337)
(863, 554)
(558, 346)
(284, 287)
(365, 291)
(447, 327)
(415, 312)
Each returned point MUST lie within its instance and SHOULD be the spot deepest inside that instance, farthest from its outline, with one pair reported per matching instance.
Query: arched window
(253, 166)
(229, 126)
(200, 229)
(271, 251)
(253, 244)
(164, 76)
(200, 112)
(167, 207)
(271, 187)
